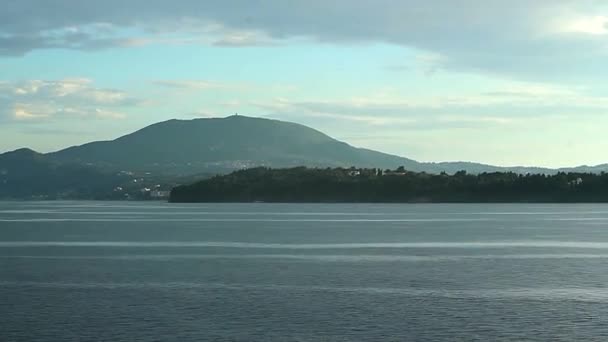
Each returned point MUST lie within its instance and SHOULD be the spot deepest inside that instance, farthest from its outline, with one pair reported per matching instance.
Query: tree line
(303, 184)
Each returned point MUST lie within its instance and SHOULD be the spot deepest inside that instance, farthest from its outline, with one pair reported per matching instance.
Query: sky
(514, 82)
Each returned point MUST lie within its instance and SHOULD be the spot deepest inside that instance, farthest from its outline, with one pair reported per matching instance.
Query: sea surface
(151, 271)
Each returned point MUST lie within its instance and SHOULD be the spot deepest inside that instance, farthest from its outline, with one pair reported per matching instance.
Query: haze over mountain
(191, 146)
(186, 147)
(181, 151)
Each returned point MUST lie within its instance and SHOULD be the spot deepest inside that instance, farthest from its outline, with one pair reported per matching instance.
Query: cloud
(52, 131)
(244, 39)
(35, 100)
(202, 114)
(515, 104)
(185, 85)
(591, 24)
(522, 38)
(191, 84)
(88, 38)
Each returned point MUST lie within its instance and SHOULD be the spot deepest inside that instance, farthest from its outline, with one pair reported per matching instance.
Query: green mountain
(199, 145)
(221, 145)
(174, 152)
(27, 174)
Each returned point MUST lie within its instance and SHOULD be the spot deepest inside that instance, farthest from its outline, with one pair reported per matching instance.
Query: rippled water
(110, 271)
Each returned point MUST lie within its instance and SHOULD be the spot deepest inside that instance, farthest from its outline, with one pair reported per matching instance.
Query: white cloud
(203, 113)
(591, 24)
(521, 38)
(23, 111)
(103, 113)
(69, 98)
(186, 85)
(191, 84)
(244, 38)
(512, 104)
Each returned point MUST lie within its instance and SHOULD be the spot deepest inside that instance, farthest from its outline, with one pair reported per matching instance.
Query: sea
(153, 271)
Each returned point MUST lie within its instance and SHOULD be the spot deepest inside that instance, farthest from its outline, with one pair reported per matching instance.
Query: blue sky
(501, 82)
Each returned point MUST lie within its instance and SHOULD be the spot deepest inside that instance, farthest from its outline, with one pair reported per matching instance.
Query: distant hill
(193, 146)
(27, 174)
(182, 151)
(176, 152)
(221, 145)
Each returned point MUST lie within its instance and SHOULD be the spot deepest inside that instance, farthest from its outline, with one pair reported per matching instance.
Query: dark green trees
(370, 185)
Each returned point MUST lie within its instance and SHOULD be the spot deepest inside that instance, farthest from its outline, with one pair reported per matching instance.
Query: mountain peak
(233, 142)
(23, 152)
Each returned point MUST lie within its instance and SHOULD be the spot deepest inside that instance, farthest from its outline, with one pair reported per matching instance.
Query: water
(93, 271)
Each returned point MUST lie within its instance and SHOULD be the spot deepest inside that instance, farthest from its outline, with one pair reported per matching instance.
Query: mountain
(162, 155)
(192, 146)
(174, 152)
(27, 174)
(221, 145)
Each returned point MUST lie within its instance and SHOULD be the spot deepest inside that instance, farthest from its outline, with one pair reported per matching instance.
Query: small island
(301, 185)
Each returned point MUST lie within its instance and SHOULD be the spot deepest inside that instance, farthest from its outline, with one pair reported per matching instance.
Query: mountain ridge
(185, 147)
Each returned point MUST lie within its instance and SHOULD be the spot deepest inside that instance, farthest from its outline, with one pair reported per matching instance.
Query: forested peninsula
(303, 184)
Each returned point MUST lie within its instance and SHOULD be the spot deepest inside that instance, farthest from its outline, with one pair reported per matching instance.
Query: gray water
(115, 271)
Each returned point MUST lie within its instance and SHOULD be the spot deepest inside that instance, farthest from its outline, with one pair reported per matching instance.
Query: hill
(182, 151)
(27, 174)
(225, 144)
(222, 145)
